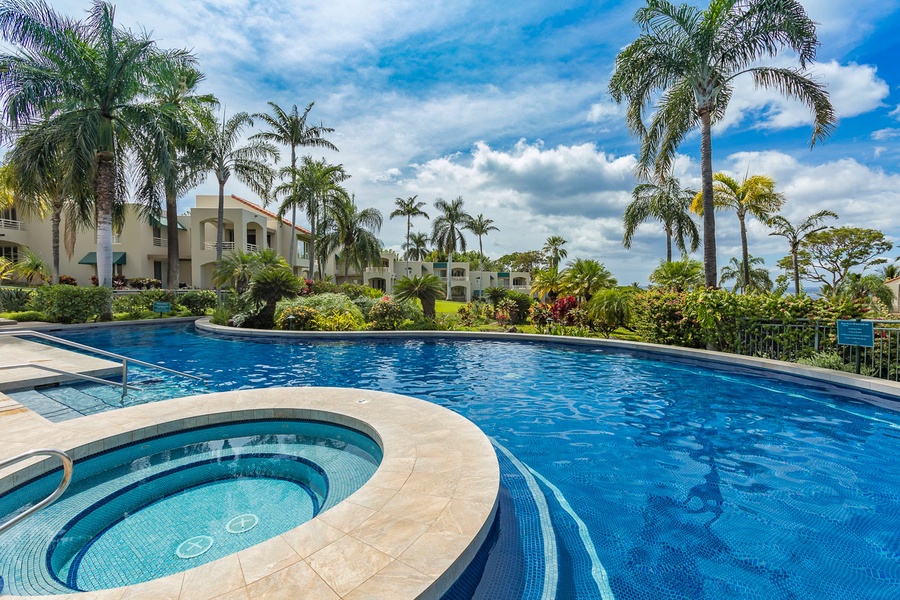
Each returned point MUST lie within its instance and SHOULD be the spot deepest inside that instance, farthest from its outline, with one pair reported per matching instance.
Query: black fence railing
(802, 338)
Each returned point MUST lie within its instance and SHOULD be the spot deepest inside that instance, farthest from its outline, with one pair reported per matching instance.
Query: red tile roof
(268, 213)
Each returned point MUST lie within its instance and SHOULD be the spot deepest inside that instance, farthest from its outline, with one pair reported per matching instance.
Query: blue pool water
(624, 476)
(175, 502)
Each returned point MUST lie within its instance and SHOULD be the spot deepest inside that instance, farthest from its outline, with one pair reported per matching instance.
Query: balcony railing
(116, 239)
(252, 248)
(164, 242)
(10, 224)
(379, 270)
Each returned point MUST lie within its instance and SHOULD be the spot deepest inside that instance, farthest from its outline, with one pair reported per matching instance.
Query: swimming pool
(177, 501)
(625, 475)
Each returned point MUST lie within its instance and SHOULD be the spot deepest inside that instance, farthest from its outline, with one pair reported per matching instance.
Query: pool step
(64, 402)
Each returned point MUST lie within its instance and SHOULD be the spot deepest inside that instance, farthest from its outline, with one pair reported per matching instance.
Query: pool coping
(850, 380)
(408, 532)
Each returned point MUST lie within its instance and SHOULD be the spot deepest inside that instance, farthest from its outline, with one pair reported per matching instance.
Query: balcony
(164, 242)
(229, 246)
(10, 224)
(379, 270)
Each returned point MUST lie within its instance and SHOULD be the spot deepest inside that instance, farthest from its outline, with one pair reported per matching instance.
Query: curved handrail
(66, 478)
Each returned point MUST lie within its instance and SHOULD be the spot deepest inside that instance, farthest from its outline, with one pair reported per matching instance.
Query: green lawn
(447, 307)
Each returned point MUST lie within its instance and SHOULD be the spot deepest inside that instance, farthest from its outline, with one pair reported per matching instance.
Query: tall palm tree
(183, 165)
(354, 236)
(409, 208)
(480, 226)
(585, 277)
(668, 202)
(82, 86)
(755, 195)
(760, 279)
(315, 186)
(889, 271)
(290, 129)
(553, 249)
(686, 60)
(223, 156)
(417, 247)
(447, 231)
(797, 233)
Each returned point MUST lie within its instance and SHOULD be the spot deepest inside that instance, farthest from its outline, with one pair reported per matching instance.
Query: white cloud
(604, 111)
(885, 134)
(895, 113)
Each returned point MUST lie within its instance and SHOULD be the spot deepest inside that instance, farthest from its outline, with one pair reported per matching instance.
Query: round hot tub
(173, 502)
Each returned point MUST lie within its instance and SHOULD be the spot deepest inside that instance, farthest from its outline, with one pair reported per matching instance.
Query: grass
(447, 307)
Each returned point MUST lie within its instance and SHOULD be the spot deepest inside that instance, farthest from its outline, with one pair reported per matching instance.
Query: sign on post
(856, 333)
(162, 307)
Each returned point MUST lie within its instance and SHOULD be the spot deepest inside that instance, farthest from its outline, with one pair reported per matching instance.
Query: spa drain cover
(242, 523)
(194, 547)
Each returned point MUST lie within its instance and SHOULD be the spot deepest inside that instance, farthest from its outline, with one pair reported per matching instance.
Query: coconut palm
(760, 279)
(480, 226)
(447, 231)
(222, 154)
(409, 208)
(755, 195)
(554, 251)
(678, 275)
(82, 87)
(547, 282)
(890, 271)
(290, 129)
(417, 247)
(667, 202)
(428, 289)
(797, 233)
(585, 277)
(354, 235)
(686, 60)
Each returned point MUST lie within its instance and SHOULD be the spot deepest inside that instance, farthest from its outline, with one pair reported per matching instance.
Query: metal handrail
(72, 373)
(66, 478)
(125, 360)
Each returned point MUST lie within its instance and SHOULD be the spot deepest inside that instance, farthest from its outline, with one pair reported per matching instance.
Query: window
(10, 253)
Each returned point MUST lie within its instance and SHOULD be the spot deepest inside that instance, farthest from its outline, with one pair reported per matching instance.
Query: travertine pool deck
(18, 351)
(408, 532)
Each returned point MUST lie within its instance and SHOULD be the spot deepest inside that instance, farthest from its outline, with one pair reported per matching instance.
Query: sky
(505, 104)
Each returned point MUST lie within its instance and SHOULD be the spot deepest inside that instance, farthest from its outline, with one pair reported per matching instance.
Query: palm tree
(183, 165)
(234, 269)
(447, 231)
(290, 129)
(417, 247)
(890, 271)
(426, 288)
(585, 277)
(409, 208)
(760, 279)
(315, 186)
(665, 201)
(82, 87)
(554, 251)
(797, 233)
(858, 286)
(268, 286)
(223, 156)
(547, 282)
(480, 226)
(31, 267)
(353, 236)
(686, 60)
(678, 275)
(755, 195)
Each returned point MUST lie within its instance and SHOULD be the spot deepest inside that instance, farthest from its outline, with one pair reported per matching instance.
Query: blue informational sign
(856, 333)
(162, 307)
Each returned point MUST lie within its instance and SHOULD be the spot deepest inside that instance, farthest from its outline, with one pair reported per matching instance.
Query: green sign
(162, 307)
(856, 333)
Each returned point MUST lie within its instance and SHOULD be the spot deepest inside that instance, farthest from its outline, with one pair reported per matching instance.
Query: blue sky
(505, 104)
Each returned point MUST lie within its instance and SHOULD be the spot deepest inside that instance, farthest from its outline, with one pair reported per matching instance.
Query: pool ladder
(66, 478)
(125, 360)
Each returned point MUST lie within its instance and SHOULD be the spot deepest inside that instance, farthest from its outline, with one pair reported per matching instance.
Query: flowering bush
(540, 314)
(67, 280)
(561, 309)
(386, 315)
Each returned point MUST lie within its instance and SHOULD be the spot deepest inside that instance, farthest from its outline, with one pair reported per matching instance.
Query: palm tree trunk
(173, 271)
(745, 255)
(312, 241)
(106, 194)
(480, 266)
(220, 229)
(408, 228)
(668, 246)
(293, 248)
(709, 209)
(449, 272)
(796, 272)
(55, 219)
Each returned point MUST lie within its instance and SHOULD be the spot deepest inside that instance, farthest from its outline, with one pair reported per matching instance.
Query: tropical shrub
(338, 322)
(540, 315)
(324, 287)
(14, 299)
(506, 311)
(523, 304)
(561, 309)
(198, 301)
(330, 307)
(356, 290)
(305, 318)
(144, 283)
(365, 304)
(610, 309)
(387, 314)
(267, 288)
(24, 315)
(495, 294)
(67, 280)
(426, 288)
(833, 360)
(70, 304)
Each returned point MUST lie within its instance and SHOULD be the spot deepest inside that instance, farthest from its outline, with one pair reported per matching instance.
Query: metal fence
(802, 338)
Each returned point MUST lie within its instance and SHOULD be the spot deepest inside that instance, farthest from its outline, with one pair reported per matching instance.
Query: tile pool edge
(851, 380)
(409, 531)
